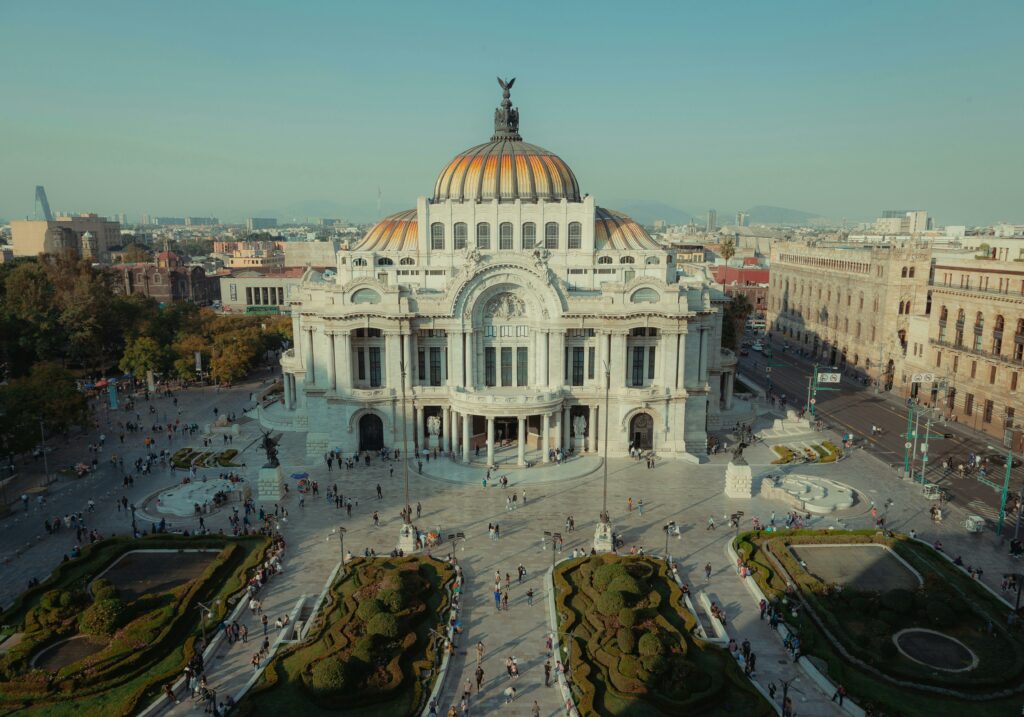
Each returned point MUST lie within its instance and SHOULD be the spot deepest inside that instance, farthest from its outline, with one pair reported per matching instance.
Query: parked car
(757, 346)
(744, 352)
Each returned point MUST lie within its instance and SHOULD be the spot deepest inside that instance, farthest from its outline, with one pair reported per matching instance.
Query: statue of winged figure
(506, 85)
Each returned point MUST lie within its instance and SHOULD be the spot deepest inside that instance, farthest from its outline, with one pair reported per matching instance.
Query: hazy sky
(225, 108)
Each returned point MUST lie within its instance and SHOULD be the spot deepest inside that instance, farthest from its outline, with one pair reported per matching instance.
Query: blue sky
(841, 108)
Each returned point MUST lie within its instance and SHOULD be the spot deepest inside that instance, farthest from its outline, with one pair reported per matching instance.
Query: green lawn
(632, 648)
(864, 622)
(373, 650)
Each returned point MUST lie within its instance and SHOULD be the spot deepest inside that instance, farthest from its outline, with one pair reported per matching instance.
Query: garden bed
(851, 627)
(185, 458)
(145, 625)
(370, 648)
(632, 648)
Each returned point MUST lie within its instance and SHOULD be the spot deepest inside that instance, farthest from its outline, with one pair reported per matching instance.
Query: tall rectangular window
(505, 235)
(591, 359)
(233, 291)
(489, 366)
(638, 366)
(522, 366)
(987, 415)
(992, 374)
(460, 232)
(565, 365)
(361, 364)
(650, 362)
(435, 366)
(529, 235)
(437, 235)
(969, 404)
(551, 235)
(421, 365)
(575, 235)
(577, 366)
(374, 366)
(1013, 381)
(506, 366)
(483, 235)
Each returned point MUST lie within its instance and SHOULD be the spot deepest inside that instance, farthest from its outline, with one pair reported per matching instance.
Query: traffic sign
(767, 369)
(829, 377)
(814, 401)
(908, 444)
(922, 378)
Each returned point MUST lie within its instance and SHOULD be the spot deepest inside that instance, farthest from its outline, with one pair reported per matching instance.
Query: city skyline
(840, 113)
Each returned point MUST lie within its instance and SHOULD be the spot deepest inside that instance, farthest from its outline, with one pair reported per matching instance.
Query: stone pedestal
(739, 480)
(270, 485)
(603, 538)
(407, 538)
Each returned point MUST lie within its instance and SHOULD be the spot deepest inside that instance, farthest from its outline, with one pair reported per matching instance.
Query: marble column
(729, 381)
(470, 362)
(332, 366)
(415, 428)
(307, 349)
(490, 440)
(557, 415)
(456, 434)
(287, 381)
(591, 428)
(455, 351)
(521, 442)
(392, 363)
(407, 340)
(619, 359)
(567, 429)
(343, 359)
(467, 438)
(543, 362)
(446, 427)
(545, 433)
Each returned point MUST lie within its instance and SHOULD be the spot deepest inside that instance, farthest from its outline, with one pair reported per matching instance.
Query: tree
(48, 393)
(733, 320)
(135, 253)
(727, 249)
(142, 354)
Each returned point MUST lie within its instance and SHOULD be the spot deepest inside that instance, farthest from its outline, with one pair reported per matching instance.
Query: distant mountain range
(648, 211)
(763, 214)
(356, 212)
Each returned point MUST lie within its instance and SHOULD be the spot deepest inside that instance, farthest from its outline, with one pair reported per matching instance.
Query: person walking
(547, 672)
(711, 523)
(707, 572)
(479, 678)
(380, 493)
(479, 653)
(840, 695)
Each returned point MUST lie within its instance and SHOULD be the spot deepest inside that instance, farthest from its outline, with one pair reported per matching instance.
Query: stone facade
(505, 321)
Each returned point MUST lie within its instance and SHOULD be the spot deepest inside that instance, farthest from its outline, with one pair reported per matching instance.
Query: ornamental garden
(373, 650)
(892, 620)
(632, 647)
(105, 631)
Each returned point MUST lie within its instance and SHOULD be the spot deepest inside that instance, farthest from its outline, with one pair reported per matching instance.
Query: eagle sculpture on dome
(506, 117)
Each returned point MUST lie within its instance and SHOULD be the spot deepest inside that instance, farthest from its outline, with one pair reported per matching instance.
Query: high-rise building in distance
(712, 220)
(256, 223)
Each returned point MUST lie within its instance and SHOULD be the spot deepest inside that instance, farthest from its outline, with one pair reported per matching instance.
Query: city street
(854, 408)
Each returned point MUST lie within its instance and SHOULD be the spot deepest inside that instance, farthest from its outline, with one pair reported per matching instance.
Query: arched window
(903, 272)
(645, 295)
(997, 335)
(604, 260)
(407, 261)
(505, 235)
(861, 298)
(437, 236)
(460, 232)
(575, 235)
(365, 296)
(551, 235)
(529, 235)
(979, 321)
(1000, 323)
(359, 262)
(626, 260)
(384, 261)
(483, 235)
(944, 314)
(652, 260)
(911, 272)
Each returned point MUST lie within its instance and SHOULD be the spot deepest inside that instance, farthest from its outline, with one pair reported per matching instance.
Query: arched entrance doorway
(641, 432)
(371, 433)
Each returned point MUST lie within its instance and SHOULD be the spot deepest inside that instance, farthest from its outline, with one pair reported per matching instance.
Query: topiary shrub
(627, 617)
(329, 675)
(50, 600)
(392, 600)
(610, 602)
(68, 599)
(627, 584)
(368, 609)
(649, 644)
(363, 650)
(102, 617)
(626, 640)
(629, 666)
(384, 625)
(940, 614)
(900, 601)
(103, 589)
(606, 573)
(655, 664)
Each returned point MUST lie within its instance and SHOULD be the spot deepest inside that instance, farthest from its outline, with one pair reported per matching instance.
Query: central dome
(506, 168)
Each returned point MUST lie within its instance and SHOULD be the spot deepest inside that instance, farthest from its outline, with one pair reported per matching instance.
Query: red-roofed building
(750, 281)
(248, 291)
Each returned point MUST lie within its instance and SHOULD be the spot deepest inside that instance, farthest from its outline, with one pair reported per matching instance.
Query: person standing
(547, 672)
(479, 678)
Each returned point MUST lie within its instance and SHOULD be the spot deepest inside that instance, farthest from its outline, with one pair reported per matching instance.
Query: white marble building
(495, 312)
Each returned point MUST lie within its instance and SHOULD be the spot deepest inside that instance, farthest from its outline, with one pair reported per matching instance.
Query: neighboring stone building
(86, 235)
(974, 344)
(748, 281)
(259, 292)
(491, 313)
(850, 305)
(311, 253)
(167, 281)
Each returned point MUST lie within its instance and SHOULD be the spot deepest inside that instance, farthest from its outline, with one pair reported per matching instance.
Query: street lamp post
(135, 529)
(556, 539)
(46, 462)
(603, 537)
(341, 538)
(669, 528)
(406, 535)
(205, 613)
(1005, 493)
